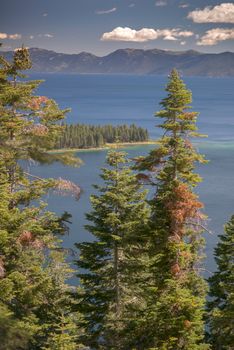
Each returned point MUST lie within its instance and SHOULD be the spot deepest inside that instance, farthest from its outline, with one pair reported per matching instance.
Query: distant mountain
(134, 61)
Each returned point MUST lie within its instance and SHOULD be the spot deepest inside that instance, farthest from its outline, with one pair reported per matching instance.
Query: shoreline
(105, 147)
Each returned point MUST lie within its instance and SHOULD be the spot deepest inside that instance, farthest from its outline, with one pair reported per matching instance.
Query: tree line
(87, 136)
(141, 285)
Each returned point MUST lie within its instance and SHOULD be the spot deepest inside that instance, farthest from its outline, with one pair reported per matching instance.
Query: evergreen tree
(175, 293)
(109, 296)
(221, 305)
(64, 336)
(12, 331)
(33, 292)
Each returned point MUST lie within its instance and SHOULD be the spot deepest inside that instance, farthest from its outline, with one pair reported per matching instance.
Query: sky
(102, 26)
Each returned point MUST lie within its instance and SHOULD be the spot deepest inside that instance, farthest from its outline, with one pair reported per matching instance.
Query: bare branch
(199, 225)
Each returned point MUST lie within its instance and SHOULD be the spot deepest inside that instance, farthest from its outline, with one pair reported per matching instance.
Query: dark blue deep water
(117, 99)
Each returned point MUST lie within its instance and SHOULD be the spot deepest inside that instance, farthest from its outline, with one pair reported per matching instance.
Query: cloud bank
(144, 34)
(214, 36)
(223, 13)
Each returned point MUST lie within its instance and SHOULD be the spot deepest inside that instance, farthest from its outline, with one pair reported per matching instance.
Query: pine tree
(64, 336)
(12, 330)
(176, 291)
(221, 304)
(109, 296)
(33, 292)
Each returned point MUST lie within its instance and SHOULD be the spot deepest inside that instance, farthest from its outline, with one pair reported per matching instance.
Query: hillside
(134, 61)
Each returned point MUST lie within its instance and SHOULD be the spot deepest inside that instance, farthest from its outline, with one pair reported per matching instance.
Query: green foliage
(221, 304)
(30, 124)
(111, 265)
(33, 271)
(175, 293)
(64, 336)
(12, 331)
(86, 136)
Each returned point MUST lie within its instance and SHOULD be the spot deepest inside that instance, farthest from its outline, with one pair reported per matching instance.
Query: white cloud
(223, 13)
(186, 33)
(10, 36)
(3, 36)
(214, 36)
(104, 12)
(131, 5)
(14, 36)
(144, 34)
(31, 37)
(47, 35)
(161, 3)
(183, 6)
(45, 14)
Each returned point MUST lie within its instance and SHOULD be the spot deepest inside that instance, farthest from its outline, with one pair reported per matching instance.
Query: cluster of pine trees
(141, 286)
(87, 136)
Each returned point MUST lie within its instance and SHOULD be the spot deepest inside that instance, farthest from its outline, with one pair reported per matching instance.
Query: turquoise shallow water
(118, 99)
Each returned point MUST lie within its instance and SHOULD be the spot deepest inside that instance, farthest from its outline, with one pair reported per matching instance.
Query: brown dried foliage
(37, 130)
(37, 102)
(182, 206)
(27, 239)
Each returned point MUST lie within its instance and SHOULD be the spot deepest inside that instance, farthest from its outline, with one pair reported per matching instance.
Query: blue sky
(102, 26)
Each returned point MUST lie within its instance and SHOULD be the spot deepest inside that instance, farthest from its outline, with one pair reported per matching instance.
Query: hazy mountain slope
(134, 61)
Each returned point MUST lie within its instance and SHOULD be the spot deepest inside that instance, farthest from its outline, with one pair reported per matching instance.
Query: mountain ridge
(133, 61)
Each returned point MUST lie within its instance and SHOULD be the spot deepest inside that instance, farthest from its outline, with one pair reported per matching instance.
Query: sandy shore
(106, 146)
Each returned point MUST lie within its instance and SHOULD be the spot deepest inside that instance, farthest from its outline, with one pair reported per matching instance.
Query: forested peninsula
(84, 136)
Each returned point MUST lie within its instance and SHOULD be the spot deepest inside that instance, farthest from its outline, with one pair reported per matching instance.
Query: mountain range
(133, 61)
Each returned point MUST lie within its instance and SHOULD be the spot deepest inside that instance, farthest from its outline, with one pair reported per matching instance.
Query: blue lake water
(117, 99)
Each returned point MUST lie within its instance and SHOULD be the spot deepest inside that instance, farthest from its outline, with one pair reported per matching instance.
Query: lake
(118, 99)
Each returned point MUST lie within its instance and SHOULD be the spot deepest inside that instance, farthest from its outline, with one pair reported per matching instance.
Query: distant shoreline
(105, 147)
(130, 61)
(206, 144)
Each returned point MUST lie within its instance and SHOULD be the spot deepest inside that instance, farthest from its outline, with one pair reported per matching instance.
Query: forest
(91, 136)
(141, 281)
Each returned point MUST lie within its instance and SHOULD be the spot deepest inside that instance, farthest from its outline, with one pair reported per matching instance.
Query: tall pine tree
(175, 293)
(33, 292)
(221, 303)
(109, 296)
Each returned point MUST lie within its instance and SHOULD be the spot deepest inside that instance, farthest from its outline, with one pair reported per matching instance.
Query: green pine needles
(221, 302)
(110, 296)
(176, 292)
(142, 287)
(34, 295)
